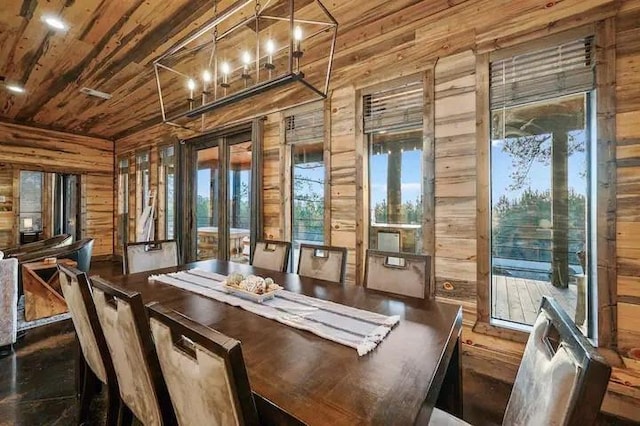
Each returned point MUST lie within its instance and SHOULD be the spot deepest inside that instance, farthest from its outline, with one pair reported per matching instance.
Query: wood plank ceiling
(110, 46)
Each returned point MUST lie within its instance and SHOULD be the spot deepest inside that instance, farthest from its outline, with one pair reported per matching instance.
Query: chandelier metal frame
(292, 75)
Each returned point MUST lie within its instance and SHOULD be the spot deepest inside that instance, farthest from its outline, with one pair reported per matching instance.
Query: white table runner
(361, 330)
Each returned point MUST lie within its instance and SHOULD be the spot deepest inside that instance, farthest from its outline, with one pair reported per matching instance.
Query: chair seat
(442, 418)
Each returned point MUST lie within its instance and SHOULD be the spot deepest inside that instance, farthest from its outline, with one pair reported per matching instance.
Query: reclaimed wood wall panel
(627, 82)
(393, 42)
(27, 148)
(7, 230)
(274, 198)
(455, 174)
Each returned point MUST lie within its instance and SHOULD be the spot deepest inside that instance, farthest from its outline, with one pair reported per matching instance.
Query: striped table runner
(358, 329)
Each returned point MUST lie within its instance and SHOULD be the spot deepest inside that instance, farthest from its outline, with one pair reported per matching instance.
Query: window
(542, 192)
(393, 129)
(304, 135)
(123, 201)
(144, 228)
(167, 193)
(31, 189)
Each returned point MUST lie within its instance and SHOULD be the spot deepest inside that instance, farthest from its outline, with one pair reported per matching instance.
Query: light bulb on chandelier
(297, 38)
(225, 69)
(246, 60)
(271, 48)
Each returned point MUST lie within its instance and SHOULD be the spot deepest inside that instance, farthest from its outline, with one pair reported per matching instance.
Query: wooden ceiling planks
(110, 47)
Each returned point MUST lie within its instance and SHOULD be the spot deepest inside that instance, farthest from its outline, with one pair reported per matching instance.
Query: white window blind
(547, 73)
(396, 108)
(305, 126)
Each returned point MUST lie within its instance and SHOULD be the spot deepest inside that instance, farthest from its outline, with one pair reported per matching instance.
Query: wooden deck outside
(518, 299)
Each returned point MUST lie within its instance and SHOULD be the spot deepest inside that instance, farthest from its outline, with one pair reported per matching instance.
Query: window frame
(427, 76)
(603, 294)
(162, 192)
(139, 188)
(286, 168)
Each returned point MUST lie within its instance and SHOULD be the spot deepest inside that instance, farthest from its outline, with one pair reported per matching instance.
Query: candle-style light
(246, 60)
(225, 69)
(206, 79)
(191, 84)
(297, 45)
(271, 48)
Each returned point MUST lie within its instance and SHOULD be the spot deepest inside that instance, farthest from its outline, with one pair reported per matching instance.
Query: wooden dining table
(298, 377)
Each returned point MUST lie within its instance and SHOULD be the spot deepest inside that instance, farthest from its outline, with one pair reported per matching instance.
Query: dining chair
(399, 273)
(150, 255)
(124, 321)
(204, 371)
(96, 365)
(323, 262)
(561, 380)
(272, 255)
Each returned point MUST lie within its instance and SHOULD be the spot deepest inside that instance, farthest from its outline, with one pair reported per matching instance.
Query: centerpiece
(251, 287)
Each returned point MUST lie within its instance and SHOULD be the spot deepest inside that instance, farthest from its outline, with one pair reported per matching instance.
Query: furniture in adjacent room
(323, 262)
(150, 255)
(97, 366)
(399, 273)
(8, 304)
(562, 378)
(272, 255)
(53, 242)
(42, 293)
(416, 363)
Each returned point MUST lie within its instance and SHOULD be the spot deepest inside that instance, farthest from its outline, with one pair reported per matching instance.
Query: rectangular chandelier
(250, 48)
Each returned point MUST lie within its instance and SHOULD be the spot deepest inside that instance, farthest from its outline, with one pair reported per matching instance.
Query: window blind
(395, 108)
(304, 126)
(547, 73)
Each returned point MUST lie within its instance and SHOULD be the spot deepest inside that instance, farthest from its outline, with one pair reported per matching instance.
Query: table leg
(450, 398)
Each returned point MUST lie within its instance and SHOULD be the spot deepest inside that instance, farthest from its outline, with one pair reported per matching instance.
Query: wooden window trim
(427, 76)
(605, 329)
(286, 213)
(161, 231)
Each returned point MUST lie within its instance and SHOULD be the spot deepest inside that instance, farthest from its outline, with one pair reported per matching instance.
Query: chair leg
(113, 407)
(87, 393)
(125, 416)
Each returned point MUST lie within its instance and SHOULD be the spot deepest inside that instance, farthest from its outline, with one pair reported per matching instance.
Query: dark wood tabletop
(321, 382)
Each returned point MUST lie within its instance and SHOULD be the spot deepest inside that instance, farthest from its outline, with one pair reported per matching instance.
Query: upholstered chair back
(272, 255)
(204, 371)
(8, 301)
(77, 294)
(150, 255)
(323, 262)
(124, 321)
(399, 273)
(562, 379)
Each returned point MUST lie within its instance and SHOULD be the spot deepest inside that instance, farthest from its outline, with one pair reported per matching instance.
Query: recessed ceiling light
(55, 23)
(15, 88)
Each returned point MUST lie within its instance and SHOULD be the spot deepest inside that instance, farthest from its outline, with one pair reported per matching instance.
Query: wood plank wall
(28, 148)
(404, 43)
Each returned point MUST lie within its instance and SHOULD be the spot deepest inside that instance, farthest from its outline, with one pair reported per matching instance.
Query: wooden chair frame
(85, 377)
(429, 290)
(125, 258)
(287, 244)
(341, 250)
(225, 347)
(141, 322)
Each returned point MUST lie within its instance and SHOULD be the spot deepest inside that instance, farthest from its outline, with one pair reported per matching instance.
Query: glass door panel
(239, 201)
(207, 193)
(307, 210)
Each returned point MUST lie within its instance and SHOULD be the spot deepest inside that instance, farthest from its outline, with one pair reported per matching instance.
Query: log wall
(28, 148)
(410, 41)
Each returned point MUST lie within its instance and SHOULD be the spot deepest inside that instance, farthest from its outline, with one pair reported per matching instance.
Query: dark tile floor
(37, 381)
